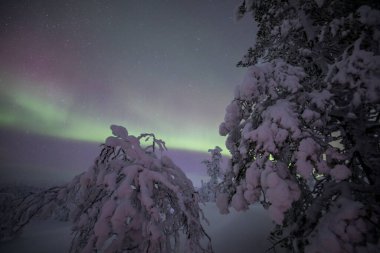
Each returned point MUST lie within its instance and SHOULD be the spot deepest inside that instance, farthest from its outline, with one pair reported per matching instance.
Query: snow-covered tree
(208, 190)
(133, 199)
(303, 128)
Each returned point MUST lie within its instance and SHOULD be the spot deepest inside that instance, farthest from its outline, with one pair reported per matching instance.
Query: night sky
(69, 69)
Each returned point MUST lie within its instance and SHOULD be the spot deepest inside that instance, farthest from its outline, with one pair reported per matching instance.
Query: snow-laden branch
(129, 200)
(303, 127)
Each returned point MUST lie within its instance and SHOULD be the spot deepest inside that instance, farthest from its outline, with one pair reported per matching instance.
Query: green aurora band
(29, 111)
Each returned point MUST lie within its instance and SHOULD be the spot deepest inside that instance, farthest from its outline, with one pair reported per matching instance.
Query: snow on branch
(303, 128)
(129, 200)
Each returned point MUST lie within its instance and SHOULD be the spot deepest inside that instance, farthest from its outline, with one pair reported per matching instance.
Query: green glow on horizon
(34, 113)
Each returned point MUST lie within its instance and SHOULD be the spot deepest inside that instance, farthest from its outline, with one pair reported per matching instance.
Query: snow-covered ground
(41, 237)
(242, 232)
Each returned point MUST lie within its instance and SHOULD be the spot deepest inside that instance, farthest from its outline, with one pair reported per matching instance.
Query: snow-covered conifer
(303, 128)
(208, 190)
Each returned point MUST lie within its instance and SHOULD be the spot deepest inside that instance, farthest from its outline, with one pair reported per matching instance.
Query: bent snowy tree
(132, 199)
(303, 128)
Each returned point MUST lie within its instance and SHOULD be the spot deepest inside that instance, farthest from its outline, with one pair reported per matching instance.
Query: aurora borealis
(69, 69)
